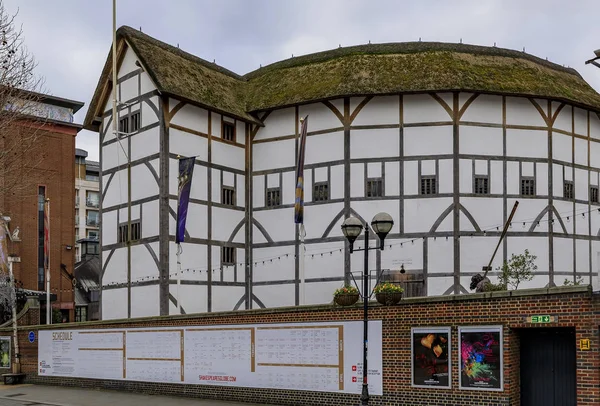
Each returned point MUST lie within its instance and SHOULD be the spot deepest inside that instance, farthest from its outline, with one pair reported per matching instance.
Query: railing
(92, 222)
(92, 203)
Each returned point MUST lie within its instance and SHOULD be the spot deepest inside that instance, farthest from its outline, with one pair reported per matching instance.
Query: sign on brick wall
(311, 356)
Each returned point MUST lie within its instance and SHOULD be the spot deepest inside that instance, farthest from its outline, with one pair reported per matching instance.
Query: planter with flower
(388, 293)
(346, 296)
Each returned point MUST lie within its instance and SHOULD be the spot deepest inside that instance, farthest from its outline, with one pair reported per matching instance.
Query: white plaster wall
(272, 155)
(320, 263)
(215, 125)
(149, 220)
(374, 143)
(541, 180)
(581, 151)
(197, 219)
(224, 222)
(240, 132)
(336, 186)
(114, 304)
(318, 217)
(258, 191)
(146, 82)
(128, 64)
(116, 191)
(526, 143)
(437, 286)
(537, 246)
(595, 154)
(421, 214)
(581, 121)
(485, 109)
(279, 223)
(194, 299)
(480, 140)
(273, 263)
(440, 255)
(324, 148)
(319, 117)
(594, 126)
(420, 108)
(192, 117)
(109, 228)
(145, 184)
(113, 155)
(581, 184)
(562, 147)
(595, 265)
(240, 191)
(148, 115)
(465, 176)
(320, 292)
(228, 155)
(487, 212)
(186, 144)
(144, 144)
(225, 297)
(116, 268)
(357, 180)
(368, 209)
(445, 176)
(583, 257)
(129, 89)
(379, 110)
(199, 188)
(194, 257)
(392, 178)
(476, 252)
(582, 222)
(563, 257)
(427, 140)
(520, 111)
(496, 177)
(276, 296)
(564, 120)
(279, 123)
(142, 264)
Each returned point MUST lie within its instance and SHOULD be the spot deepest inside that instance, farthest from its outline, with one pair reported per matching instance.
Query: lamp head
(351, 228)
(382, 224)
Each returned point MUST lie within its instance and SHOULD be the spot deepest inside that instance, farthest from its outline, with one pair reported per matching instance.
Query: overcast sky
(71, 38)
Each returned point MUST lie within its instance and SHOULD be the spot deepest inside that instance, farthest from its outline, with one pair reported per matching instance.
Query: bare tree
(21, 113)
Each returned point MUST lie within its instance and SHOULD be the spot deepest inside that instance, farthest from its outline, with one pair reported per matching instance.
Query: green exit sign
(541, 318)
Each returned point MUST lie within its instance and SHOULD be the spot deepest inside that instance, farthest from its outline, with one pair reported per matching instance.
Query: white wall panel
(368, 209)
(541, 180)
(485, 108)
(144, 265)
(324, 148)
(480, 140)
(271, 155)
(279, 123)
(224, 221)
(563, 257)
(476, 252)
(288, 189)
(258, 191)
(380, 110)
(147, 85)
(109, 228)
(465, 176)
(279, 263)
(411, 178)
(581, 121)
(513, 183)
(581, 184)
(116, 191)
(196, 223)
(374, 143)
(564, 120)
(558, 178)
(148, 115)
(113, 155)
(496, 177)
(199, 188)
(487, 212)
(445, 176)
(129, 89)
(437, 286)
(215, 125)
(150, 226)
(526, 143)
(115, 269)
(318, 217)
(186, 144)
(520, 111)
(225, 297)
(144, 185)
(279, 223)
(594, 126)
(277, 295)
(392, 178)
(537, 246)
(114, 304)
(336, 184)
(320, 263)
(320, 117)
(428, 140)
(228, 155)
(440, 255)
(562, 147)
(357, 180)
(192, 117)
(423, 213)
(421, 108)
(128, 64)
(581, 151)
(583, 256)
(194, 299)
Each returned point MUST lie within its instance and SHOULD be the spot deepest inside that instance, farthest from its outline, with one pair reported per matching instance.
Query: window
(428, 185)
(134, 121)
(594, 194)
(41, 232)
(80, 313)
(124, 126)
(228, 196)
(92, 176)
(228, 131)
(273, 197)
(481, 185)
(568, 190)
(92, 199)
(92, 234)
(321, 192)
(129, 124)
(528, 186)
(76, 197)
(375, 187)
(227, 256)
(93, 219)
(136, 232)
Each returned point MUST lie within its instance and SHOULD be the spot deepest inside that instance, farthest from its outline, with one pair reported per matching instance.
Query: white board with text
(323, 357)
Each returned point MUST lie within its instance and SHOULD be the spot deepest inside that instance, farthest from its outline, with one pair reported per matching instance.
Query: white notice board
(323, 357)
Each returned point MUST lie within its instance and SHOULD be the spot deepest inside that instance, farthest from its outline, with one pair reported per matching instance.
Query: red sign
(353, 379)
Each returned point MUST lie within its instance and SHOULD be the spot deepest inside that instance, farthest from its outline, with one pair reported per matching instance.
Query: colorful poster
(431, 357)
(4, 352)
(480, 361)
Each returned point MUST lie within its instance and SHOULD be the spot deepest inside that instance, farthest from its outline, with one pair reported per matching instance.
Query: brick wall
(574, 306)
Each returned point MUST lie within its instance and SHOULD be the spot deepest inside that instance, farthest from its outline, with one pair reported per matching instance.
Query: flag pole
(178, 278)
(299, 208)
(48, 304)
(301, 265)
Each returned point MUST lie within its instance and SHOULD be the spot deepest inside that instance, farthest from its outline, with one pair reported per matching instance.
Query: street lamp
(382, 224)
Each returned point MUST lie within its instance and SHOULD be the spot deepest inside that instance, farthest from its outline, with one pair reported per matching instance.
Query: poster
(480, 360)
(4, 352)
(324, 357)
(431, 357)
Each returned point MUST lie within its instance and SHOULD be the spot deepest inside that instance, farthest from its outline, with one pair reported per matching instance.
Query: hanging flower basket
(346, 296)
(388, 294)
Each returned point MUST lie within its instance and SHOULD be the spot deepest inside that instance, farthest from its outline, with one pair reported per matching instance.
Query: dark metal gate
(548, 367)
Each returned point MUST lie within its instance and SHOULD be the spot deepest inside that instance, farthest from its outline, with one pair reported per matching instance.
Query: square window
(228, 131)
(134, 121)
(568, 192)
(375, 187)
(136, 232)
(428, 185)
(227, 256)
(228, 196)
(481, 185)
(594, 194)
(124, 126)
(528, 187)
(122, 233)
(320, 191)
(273, 197)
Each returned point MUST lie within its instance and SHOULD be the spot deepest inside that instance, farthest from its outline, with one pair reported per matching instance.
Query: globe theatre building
(444, 137)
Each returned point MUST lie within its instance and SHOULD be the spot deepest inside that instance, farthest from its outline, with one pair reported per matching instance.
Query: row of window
(136, 231)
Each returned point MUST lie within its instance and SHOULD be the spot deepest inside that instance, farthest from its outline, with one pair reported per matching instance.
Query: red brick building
(41, 167)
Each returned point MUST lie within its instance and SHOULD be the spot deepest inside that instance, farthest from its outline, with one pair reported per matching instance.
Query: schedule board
(323, 357)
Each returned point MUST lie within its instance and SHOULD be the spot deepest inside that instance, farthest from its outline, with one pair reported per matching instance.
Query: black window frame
(130, 123)
(481, 185)
(594, 197)
(225, 190)
(528, 185)
(568, 189)
(228, 136)
(136, 231)
(372, 184)
(228, 254)
(428, 185)
(320, 192)
(273, 197)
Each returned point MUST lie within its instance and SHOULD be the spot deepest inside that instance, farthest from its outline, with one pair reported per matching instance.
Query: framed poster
(480, 358)
(4, 352)
(430, 351)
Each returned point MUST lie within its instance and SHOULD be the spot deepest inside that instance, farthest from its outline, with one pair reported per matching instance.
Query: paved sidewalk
(41, 395)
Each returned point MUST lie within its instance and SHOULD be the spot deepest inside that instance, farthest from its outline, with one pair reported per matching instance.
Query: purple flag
(299, 204)
(186, 169)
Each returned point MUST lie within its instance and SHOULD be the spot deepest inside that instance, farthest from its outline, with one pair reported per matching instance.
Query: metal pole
(364, 397)
(48, 304)
(178, 278)
(301, 264)
(17, 367)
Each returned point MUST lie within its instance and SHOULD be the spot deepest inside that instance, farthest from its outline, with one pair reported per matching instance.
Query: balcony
(92, 203)
(92, 222)
(77, 201)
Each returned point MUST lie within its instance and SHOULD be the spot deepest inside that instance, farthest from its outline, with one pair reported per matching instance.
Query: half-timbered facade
(444, 137)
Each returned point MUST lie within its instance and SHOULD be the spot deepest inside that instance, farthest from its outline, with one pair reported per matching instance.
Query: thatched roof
(358, 70)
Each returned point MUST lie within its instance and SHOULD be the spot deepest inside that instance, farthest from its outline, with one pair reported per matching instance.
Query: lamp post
(382, 224)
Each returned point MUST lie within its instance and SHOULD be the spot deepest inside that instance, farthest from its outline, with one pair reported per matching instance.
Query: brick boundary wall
(576, 307)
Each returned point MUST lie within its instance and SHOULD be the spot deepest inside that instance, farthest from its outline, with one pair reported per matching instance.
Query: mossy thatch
(359, 70)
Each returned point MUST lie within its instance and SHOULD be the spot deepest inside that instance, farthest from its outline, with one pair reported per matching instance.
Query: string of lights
(331, 251)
